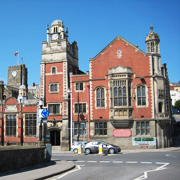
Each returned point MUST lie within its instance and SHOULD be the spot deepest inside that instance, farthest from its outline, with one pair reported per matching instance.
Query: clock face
(55, 36)
(14, 73)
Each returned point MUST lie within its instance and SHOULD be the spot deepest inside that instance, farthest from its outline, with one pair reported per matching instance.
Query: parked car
(93, 147)
(75, 146)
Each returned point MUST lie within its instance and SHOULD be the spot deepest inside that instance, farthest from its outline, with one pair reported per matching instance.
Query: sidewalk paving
(54, 168)
(42, 171)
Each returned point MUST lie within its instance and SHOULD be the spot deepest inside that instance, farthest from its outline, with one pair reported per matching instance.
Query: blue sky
(92, 23)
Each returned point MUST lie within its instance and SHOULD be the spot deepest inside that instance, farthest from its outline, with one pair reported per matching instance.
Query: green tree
(177, 105)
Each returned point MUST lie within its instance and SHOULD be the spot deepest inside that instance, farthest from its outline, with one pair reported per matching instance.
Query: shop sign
(138, 141)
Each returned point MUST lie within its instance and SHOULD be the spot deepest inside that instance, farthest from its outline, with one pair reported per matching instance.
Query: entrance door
(55, 138)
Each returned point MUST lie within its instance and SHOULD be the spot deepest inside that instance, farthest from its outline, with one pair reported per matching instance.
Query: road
(122, 166)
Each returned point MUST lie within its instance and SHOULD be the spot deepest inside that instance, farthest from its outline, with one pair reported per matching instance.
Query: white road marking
(104, 161)
(131, 162)
(78, 168)
(117, 161)
(146, 162)
(80, 161)
(145, 175)
(92, 161)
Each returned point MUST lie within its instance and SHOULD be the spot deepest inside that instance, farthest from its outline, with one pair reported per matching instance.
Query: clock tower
(17, 75)
(59, 58)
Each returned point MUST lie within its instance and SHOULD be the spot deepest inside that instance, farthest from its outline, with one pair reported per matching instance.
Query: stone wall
(12, 159)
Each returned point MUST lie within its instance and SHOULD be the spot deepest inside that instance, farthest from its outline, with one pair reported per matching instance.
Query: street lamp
(71, 121)
(40, 126)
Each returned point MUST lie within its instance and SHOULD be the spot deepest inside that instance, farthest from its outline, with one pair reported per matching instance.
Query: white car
(93, 147)
(75, 146)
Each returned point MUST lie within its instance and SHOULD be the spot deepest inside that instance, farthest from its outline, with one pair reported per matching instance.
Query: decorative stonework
(119, 54)
(11, 108)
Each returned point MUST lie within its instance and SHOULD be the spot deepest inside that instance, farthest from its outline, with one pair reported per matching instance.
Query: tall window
(120, 93)
(142, 128)
(152, 46)
(79, 86)
(80, 108)
(141, 95)
(10, 125)
(30, 124)
(54, 108)
(100, 97)
(100, 128)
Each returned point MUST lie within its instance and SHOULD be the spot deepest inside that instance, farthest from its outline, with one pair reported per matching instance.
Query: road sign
(45, 113)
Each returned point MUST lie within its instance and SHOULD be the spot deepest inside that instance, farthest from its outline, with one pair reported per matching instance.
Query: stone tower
(59, 58)
(17, 75)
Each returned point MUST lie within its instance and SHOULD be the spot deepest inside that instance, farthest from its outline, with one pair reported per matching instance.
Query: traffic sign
(44, 113)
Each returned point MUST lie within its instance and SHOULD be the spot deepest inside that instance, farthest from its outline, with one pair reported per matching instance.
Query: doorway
(55, 138)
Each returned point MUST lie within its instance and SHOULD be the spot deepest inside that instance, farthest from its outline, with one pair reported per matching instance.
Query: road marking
(131, 162)
(78, 168)
(117, 161)
(92, 161)
(145, 175)
(80, 161)
(146, 162)
(160, 163)
(104, 161)
(171, 155)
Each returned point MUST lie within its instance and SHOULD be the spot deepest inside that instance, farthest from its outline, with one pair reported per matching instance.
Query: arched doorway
(55, 138)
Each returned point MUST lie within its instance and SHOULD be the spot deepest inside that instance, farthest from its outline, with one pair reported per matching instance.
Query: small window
(79, 128)
(53, 87)
(142, 128)
(53, 70)
(79, 86)
(54, 108)
(100, 128)
(80, 108)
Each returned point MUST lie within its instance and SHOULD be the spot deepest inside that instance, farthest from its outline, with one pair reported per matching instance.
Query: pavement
(54, 168)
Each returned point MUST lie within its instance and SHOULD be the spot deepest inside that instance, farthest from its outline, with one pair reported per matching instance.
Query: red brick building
(123, 99)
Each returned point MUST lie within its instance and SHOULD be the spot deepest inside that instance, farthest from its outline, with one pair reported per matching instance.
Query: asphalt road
(122, 166)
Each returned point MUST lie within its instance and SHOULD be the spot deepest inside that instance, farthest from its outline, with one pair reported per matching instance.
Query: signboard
(121, 132)
(138, 141)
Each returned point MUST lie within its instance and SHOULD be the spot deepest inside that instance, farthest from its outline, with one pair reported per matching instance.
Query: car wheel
(111, 151)
(87, 151)
(76, 151)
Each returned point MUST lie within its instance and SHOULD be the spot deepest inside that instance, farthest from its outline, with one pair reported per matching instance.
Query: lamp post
(40, 126)
(71, 121)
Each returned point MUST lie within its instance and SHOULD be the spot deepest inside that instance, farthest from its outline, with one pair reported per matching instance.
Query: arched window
(141, 95)
(53, 70)
(100, 97)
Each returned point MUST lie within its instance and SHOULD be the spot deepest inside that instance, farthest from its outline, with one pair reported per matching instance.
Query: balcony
(162, 116)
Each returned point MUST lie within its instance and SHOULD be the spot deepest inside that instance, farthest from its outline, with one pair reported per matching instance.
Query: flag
(16, 53)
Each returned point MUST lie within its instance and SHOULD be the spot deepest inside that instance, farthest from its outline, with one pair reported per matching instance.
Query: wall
(11, 159)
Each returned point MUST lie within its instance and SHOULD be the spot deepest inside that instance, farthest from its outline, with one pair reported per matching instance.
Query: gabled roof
(118, 38)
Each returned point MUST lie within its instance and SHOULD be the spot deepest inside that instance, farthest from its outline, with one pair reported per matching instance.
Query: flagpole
(18, 57)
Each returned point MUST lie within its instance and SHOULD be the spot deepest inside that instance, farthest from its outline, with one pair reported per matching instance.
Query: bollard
(101, 149)
(80, 149)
